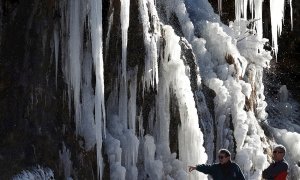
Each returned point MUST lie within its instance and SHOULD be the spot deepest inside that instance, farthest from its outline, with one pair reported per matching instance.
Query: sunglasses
(274, 152)
(221, 157)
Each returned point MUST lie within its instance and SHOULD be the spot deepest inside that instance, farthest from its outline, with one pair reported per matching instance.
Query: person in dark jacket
(224, 170)
(277, 170)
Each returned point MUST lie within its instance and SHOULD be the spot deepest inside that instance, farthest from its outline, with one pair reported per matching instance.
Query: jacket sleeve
(273, 170)
(204, 168)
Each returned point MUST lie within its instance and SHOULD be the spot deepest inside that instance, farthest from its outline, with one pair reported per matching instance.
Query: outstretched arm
(204, 168)
(192, 168)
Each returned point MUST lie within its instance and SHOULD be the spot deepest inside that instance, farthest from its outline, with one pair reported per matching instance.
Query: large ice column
(87, 128)
(75, 54)
(97, 53)
(123, 98)
(173, 72)
(132, 99)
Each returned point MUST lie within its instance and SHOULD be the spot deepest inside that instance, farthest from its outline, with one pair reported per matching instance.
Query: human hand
(191, 168)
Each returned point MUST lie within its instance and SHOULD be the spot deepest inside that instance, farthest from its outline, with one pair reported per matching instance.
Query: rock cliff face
(32, 105)
(37, 113)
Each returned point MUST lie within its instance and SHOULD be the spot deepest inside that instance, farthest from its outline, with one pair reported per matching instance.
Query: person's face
(223, 158)
(278, 154)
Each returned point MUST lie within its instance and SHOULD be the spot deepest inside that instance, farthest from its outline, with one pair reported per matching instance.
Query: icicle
(110, 22)
(56, 49)
(251, 5)
(277, 18)
(258, 18)
(87, 127)
(97, 51)
(75, 54)
(241, 9)
(283, 94)
(220, 7)
(132, 100)
(125, 6)
(291, 11)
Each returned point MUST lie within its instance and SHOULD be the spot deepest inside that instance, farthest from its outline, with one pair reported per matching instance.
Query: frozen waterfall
(154, 86)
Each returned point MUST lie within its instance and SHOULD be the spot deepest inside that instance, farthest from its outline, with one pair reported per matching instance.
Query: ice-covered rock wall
(140, 89)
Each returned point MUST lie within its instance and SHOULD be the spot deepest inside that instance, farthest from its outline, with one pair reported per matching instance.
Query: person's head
(278, 152)
(224, 156)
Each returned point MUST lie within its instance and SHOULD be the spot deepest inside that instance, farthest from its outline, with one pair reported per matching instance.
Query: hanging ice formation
(277, 16)
(187, 54)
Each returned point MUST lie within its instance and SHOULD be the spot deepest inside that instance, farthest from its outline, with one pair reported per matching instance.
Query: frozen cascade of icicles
(277, 16)
(97, 51)
(78, 67)
(121, 142)
(151, 36)
(256, 14)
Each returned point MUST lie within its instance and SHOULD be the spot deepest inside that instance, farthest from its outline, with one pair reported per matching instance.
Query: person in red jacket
(277, 170)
